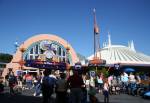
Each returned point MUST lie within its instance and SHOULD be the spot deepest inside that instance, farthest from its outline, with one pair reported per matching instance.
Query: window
(36, 49)
(26, 57)
(36, 57)
(64, 60)
(59, 51)
(54, 52)
(31, 51)
(64, 53)
(31, 57)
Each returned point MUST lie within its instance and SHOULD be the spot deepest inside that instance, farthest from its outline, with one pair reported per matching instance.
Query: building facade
(122, 56)
(42, 47)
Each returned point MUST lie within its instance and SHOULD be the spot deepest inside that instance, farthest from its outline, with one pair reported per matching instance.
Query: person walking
(6, 79)
(1, 86)
(100, 82)
(47, 86)
(28, 81)
(106, 91)
(92, 94)
(12, 82)
(61, 89)
(19, 79)
(75, 83)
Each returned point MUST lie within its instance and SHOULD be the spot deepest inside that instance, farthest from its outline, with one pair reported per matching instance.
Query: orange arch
(18, 55)
(40, 37)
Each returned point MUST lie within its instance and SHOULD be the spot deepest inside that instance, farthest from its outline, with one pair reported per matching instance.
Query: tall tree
(6, 58)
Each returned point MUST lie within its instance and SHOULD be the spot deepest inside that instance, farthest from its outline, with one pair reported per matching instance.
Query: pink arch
(37, 38)
(30, 41)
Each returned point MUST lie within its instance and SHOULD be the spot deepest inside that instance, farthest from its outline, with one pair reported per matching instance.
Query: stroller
(115, 86)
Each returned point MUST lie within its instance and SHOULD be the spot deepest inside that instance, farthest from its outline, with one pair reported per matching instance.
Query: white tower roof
(121, 54)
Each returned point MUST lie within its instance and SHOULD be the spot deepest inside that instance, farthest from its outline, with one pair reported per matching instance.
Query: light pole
(67, 61)
(22, 62)
(67, 56)
(117, 68)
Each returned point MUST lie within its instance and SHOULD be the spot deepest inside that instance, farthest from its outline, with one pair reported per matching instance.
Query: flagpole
(96, 58)
(94, 32)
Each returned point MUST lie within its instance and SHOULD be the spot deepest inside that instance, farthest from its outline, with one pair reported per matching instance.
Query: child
(106, 91)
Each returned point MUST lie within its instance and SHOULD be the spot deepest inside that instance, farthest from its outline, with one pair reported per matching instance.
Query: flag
(96, 29)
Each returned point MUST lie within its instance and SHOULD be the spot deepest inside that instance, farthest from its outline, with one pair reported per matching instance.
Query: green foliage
(5, 58)
(99, 70)
(105, 72)
(91, 68)
(141, 73)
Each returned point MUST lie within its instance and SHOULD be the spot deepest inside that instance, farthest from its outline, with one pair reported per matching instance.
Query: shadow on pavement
(18, 98)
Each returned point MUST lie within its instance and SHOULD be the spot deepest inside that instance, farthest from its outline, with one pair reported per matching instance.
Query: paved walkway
(27, 97)
(123, 98)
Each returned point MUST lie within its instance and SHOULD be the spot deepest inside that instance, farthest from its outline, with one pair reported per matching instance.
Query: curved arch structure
(34, 40)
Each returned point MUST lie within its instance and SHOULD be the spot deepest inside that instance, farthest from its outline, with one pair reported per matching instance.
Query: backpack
(47, 83)
(11, 79)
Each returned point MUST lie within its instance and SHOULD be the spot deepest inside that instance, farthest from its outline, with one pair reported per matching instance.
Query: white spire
(132, 45)
(109, 39)
(129, 44)
(104, 44)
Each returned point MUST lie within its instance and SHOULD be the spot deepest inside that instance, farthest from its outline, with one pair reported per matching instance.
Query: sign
(45, 64)
(78, 66)
(49, 54)
(116, 66)
(45, 45)
(19, 72)
(92, 73)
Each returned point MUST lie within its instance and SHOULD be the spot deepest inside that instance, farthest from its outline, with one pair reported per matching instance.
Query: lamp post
(67, 54)
(117, 68)
(22, 62)
(67, 61)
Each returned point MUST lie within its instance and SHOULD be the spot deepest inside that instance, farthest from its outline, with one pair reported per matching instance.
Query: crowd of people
(77, 87)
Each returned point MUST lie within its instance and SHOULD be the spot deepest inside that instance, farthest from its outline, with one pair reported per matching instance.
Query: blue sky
(73, 21)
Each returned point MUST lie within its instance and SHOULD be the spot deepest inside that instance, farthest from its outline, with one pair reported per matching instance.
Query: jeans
(76, 95)
(29, 84)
